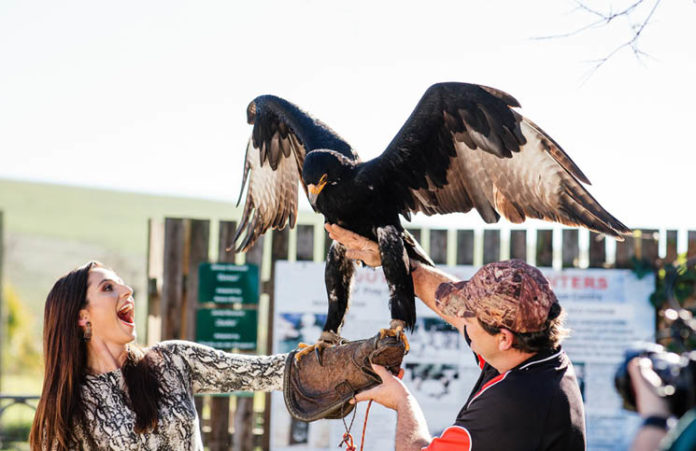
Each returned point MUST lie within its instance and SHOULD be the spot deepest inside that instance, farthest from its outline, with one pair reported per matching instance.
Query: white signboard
(607, 311)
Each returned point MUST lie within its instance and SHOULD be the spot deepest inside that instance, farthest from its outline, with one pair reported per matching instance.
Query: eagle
(463, 147)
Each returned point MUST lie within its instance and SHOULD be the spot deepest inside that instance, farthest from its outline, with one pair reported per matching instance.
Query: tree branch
(606, 18)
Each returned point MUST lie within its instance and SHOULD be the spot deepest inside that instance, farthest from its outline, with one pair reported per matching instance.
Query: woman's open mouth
(127, 314)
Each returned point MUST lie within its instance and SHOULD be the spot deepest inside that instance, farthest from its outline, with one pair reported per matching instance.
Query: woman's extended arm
(215, 371)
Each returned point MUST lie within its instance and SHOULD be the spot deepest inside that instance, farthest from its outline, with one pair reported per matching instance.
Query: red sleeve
(455, 438)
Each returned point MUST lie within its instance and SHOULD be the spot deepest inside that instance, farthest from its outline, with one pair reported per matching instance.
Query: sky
(151, 96)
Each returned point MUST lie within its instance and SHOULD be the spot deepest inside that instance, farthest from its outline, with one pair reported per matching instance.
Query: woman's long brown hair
(65, 358)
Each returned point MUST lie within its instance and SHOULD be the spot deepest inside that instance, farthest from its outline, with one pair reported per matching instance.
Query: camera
(677, 372)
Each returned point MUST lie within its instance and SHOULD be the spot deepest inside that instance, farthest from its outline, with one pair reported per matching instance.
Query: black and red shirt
(535, 406)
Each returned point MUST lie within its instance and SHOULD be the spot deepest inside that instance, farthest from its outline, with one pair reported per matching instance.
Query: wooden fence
(177, 246)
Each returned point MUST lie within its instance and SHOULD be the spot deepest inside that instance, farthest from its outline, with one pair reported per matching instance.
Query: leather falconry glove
(316, 388)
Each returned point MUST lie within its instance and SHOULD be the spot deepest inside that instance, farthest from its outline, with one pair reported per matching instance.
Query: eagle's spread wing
(281, 138)
(463, 147)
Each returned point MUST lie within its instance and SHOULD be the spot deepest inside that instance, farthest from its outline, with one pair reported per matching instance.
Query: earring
(88, 332)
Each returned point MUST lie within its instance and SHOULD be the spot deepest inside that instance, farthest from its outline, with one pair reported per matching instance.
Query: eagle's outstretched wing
(281, 138)
(463, 147)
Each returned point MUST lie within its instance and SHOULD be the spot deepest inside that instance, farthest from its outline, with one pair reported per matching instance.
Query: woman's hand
(357, 246)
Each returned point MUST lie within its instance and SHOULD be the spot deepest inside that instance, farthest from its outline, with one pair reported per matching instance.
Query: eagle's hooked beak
(314, 190)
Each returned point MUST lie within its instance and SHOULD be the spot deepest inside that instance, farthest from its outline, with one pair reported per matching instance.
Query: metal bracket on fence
(17, 399)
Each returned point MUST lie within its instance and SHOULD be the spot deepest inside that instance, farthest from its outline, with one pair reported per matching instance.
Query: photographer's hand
(645, 384)
(649, 404)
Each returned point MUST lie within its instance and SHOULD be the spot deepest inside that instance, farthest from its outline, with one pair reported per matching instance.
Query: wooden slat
(691, 246)
(244, 412)
(416, 233)
(465, 247)
(438, 246)
(279, 252)
(649, 246)
(219, 438)
(155, 256)
(518, 244)
(570, 250)
(199, 231)
(625, 250)
(198, 253)
(491, 246)
(544, 248)
(2, 315)
(598, 250)
(305, 242)
(173, 277)
(671, 255)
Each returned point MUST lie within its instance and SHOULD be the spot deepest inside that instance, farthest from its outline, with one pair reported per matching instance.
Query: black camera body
(677, 374)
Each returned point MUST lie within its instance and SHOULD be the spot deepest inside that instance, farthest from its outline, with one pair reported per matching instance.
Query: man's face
(482, 343)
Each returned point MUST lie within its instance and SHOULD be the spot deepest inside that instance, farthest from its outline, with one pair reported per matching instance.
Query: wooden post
(465, 247)
(518, 244)
(173, 279)
(544, 248)
(491, 246)
(279, 252)
(438, 246)
(570, 250)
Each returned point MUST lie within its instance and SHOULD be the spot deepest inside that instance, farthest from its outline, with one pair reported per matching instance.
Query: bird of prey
(463, 147)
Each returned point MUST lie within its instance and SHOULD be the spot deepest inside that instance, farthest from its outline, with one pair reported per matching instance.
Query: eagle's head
(323, 167)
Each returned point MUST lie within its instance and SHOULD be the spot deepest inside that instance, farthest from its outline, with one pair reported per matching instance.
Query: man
(527, 397)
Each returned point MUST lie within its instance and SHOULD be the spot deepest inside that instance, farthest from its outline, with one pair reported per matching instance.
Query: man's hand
(390, 393)
(357, 246)
(411, 428)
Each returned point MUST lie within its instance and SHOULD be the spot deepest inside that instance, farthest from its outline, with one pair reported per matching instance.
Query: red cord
(362, 439)
(348, 440)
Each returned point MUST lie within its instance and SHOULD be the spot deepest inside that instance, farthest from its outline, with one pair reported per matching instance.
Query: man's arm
(426, 279)
(411, 427)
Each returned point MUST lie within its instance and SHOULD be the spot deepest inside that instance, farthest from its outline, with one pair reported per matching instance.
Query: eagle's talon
(304, 349)
(327, 339)
(396, 330)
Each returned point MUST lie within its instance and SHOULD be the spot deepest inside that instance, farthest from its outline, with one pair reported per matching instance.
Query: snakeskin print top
(186, 368)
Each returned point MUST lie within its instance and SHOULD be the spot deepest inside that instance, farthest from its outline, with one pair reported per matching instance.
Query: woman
(102, 392)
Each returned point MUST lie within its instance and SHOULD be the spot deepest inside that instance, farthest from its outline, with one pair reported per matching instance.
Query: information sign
(227, 328)
(226, 283)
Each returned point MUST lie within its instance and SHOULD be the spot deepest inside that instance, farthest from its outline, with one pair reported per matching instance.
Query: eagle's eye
(323, 178)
